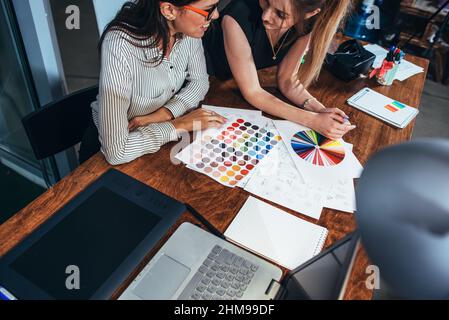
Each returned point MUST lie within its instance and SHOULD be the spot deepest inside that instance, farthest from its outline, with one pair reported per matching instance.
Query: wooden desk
(216, 202)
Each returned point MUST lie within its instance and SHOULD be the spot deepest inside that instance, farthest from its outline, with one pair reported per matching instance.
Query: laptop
(197, 265)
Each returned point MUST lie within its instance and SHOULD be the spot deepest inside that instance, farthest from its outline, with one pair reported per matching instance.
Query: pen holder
(387, 77)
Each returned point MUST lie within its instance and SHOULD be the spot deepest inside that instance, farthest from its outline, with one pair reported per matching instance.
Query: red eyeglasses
(205, 13)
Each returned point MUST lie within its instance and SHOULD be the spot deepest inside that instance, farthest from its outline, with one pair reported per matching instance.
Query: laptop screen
(95, 237)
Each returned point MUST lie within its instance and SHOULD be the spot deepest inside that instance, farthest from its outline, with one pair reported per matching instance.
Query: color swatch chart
(395, 106)
(229, 155)
(316, 149)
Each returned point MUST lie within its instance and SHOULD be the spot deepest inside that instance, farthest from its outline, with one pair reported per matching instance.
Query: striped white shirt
(131, 86)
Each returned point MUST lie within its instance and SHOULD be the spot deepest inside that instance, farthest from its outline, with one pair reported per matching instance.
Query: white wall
(105, 11)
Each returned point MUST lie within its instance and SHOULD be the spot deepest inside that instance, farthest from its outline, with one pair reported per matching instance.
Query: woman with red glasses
(153, 73)
(256, 34)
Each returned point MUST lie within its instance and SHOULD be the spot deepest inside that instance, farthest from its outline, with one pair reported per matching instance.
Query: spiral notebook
(275, 234)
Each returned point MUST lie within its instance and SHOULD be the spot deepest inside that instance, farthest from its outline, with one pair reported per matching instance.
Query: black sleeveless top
(248, 14)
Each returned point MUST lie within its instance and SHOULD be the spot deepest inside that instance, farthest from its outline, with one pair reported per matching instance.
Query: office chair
(403, 218)
(59, 125)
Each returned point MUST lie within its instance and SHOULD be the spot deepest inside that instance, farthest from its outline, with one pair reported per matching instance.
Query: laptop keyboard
(222, 276)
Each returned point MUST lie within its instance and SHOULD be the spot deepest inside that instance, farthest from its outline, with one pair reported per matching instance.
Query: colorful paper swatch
(232, 154)
(395, 106)
(317, 149)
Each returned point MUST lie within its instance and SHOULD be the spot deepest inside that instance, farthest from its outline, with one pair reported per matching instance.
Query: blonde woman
(294, 35)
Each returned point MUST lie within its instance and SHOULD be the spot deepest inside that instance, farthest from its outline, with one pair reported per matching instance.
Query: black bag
(350, 61)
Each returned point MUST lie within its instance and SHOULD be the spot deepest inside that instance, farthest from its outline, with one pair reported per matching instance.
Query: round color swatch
(230, 173)
(200, 165)
(236, 168)
(316, 149)
(255, 162)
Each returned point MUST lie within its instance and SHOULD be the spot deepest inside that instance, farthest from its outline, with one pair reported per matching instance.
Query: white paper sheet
(277, 179)
(341, 196)
(406, 68)
(275, 234)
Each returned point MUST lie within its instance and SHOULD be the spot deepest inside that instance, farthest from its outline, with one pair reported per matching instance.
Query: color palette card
(318, 158)
(228, 155)
(383, 108)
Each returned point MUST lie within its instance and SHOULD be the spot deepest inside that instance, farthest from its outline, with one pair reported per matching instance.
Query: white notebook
(383, 108)
(275, 234)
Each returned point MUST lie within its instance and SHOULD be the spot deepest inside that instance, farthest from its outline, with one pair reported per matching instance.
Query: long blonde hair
(323, 29)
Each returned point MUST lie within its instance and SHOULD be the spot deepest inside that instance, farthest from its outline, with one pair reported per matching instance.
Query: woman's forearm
(297, 94)
(270, 104)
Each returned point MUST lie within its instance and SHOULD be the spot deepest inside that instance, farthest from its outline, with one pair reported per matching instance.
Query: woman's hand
(331, 124)
(204, 118)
